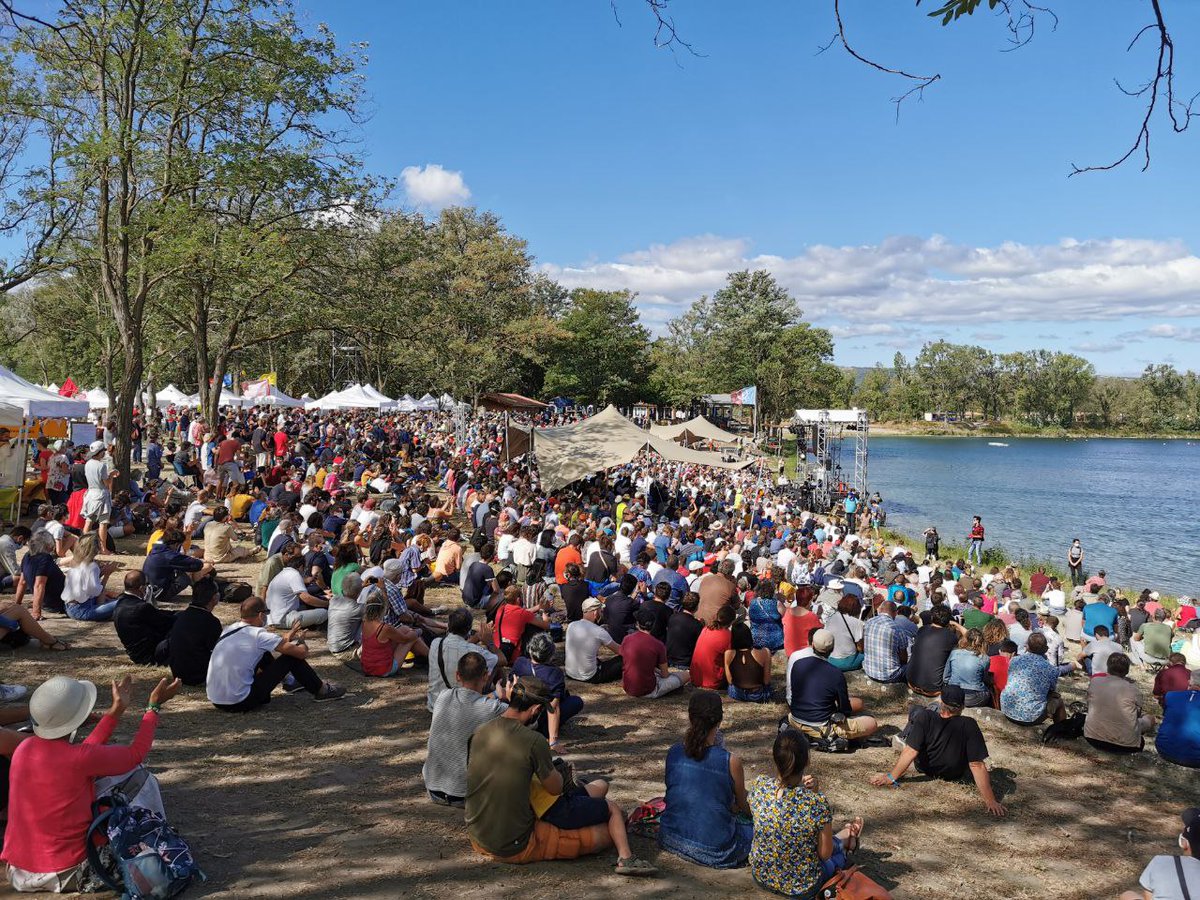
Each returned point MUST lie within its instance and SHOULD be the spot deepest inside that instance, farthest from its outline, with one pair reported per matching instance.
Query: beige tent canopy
(607, 439)
(697, 429)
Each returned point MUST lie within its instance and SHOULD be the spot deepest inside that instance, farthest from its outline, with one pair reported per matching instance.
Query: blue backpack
(145, 858)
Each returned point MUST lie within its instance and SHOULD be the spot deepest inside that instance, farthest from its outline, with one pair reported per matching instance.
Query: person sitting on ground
(1174, 876)
(1178, 738)
(444, 653)
(289, 600)
(766, 619)
(457, 713)
(41, 577)
(53, 780)
(64, 540)
(343, 628)
(575, 591)
(1097, 612)
(385, 648)
(538, 662)
(1175, 677)
(799, 621)
(220, 540)
(645, 672)
(505, 758)
(169, 570)
(515, 624)
(747, 668)
(847, 630)
(708, 659)
(17, 626)
(944, 744)
(967, 668)
(656, 603)
(818, 698)
(885, 646)
(683, 630)
(249, 661)
(83, 587)
(794, 850)
(1115, 722)
(583, 643)
(16, 538)
(1029, 696)
(1096, 652)
(931, 651)
(1151, 643)
(707, 816)
(619, 606)
(193, 636)
(346, 559)
(143, 629)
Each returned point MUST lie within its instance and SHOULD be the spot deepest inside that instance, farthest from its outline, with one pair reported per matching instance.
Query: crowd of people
(667, 578)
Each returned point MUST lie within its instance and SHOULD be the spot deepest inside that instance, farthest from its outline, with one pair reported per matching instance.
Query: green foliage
(606, 358)
(955, 9)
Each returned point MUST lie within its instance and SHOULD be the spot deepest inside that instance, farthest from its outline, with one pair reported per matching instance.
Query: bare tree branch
(1160, 86)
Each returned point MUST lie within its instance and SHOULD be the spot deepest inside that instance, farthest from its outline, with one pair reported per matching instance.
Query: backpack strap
(442, 661)
(1182, 878)
(230, 633)
(97, 828)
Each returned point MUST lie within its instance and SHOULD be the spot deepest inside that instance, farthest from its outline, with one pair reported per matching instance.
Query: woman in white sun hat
(53, 779)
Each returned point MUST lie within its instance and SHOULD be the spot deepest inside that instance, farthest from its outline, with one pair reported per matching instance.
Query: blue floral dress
(787, 824)
(766, 625)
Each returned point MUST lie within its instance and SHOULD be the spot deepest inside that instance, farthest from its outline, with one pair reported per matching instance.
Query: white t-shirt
(1161, 877)
(584, 640)
(81, 583)
(234, 659)
(195, 512)
(796, 656)
(283, 595)
(847, 631)
(55, 529)
(504, 547)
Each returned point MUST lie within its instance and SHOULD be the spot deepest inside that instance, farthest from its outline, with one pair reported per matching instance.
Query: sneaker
(330, 691)
(10, 692)
(438, 610)
(291, 685)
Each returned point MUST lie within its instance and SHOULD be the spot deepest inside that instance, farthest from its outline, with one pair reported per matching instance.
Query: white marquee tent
(273, 397)
(97, 398)
(39, 403)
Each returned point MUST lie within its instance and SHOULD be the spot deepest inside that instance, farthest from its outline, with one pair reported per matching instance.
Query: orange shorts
(548, 842)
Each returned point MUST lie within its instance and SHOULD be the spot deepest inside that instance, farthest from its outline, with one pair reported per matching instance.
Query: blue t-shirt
(818, 690)
(164, 563)
(678, 583)
(1098, 614)
(660, 547)
(1179, 733)
(851, 505)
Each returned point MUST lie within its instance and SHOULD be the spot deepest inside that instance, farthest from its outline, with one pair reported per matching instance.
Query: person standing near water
(975, 552)
(932, 542)
(1075, 562)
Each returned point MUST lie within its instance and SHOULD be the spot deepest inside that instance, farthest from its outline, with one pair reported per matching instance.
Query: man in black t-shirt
(141, 626)
(194, 634)
(931, 649)
(657, 604)
(683, 629)
(942, 744)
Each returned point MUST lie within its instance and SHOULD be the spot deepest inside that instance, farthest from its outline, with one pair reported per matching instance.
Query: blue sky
(625, 165)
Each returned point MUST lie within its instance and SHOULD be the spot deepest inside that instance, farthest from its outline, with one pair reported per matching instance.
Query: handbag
(852, 884)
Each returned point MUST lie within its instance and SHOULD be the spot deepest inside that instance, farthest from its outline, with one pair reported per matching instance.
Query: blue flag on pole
(746, 396)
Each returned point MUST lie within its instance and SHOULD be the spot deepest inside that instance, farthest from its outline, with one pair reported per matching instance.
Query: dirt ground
(326, 800)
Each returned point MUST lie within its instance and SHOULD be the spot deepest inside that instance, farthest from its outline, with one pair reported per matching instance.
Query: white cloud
(434, 187)
(915, 280)
(1173, 332)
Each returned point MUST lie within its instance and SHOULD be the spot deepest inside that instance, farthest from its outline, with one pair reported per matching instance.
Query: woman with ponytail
(706, 819)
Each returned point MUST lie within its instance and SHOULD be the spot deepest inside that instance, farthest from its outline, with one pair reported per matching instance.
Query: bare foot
(855, 828)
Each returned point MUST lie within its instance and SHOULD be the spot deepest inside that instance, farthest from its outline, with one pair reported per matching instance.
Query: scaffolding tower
(821, 434)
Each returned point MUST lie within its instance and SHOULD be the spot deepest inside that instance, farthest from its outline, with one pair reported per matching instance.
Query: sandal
(58, 646)
(634, 866)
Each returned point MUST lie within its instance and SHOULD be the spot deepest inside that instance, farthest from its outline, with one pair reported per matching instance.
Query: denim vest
(698, 823)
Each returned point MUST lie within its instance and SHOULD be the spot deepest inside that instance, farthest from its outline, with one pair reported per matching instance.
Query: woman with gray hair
(41, 577)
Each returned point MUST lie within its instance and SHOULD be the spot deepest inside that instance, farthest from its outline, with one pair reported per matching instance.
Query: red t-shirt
(708, 659)
(511, 621)
(279, 439)
(1186, 614)
(642, 654)
(1037, 584)
(227, 451)
(998, 666)
(796, 630)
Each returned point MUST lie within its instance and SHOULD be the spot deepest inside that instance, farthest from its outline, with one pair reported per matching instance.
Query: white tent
(226, 399)
(168, 396)
(273, 397)
(356, 396)
(428, 403)
(96, 398)
(39, 403)
(406, 404)
(370, 391)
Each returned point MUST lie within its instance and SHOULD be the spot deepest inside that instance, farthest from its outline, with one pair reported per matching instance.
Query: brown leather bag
(852, 884)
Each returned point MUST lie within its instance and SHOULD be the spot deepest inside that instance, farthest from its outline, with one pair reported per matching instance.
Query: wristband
(154, 707)
(894, 782)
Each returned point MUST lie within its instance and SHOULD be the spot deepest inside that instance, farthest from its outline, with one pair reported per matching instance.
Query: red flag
(68, 388)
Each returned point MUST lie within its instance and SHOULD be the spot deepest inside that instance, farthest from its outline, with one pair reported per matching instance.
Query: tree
(605, 359)
(1163, 386)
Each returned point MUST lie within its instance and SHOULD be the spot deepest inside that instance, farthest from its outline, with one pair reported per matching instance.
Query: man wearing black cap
(1171, 876)
(944, 745)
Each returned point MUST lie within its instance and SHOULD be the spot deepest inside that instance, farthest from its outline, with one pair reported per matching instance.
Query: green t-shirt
(335, 580)
(504, 757)
(1156, 636)
(975, 618)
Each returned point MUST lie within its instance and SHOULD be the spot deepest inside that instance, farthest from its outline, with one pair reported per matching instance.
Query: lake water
(1133, 503)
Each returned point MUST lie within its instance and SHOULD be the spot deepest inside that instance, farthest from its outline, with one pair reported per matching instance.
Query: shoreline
(893, 429)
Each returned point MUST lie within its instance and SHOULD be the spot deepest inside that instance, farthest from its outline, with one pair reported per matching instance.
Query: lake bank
(943, 429)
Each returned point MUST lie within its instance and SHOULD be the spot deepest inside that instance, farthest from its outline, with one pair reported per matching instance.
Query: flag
(68, 388)
(269, 378)
(260, 388)
(227, 381)
(745, 397)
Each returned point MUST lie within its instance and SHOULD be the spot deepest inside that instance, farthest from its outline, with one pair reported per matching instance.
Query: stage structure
(821, 434)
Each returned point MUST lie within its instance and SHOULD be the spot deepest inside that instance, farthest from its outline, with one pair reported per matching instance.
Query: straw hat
(60, 705)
